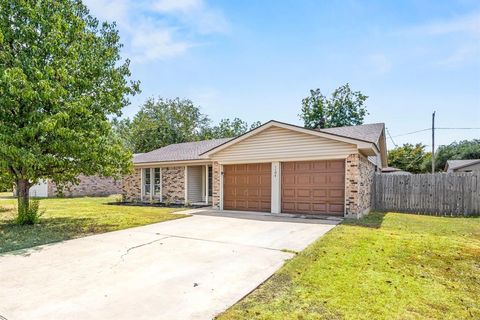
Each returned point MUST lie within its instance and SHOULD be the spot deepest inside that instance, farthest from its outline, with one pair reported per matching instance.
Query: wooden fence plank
(455, 194)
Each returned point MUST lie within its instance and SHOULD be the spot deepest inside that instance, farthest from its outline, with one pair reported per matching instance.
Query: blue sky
(256, 60)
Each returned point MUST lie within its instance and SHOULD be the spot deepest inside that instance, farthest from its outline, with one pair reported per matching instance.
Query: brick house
(87, 186)
(277, 168)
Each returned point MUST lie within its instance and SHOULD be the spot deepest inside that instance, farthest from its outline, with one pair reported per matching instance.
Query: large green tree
(463, 150)
(161, 122)
(344, 108)
(410, 158)
(61, 78)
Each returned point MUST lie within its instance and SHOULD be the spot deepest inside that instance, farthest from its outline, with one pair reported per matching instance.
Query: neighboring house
(277, 168)
(392, 170)
(88, 186)
(462, 165)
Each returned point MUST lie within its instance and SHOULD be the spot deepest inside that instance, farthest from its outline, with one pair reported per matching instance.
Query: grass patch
(393, 266)
(69, 218)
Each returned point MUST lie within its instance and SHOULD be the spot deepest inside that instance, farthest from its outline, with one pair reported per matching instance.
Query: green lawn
(393, 266)
(72, 218)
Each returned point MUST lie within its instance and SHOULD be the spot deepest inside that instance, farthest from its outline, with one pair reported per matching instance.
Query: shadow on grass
(372, 220)
(19, 240)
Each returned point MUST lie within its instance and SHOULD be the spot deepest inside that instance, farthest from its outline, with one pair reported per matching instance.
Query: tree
(61, 78)
(229, 128)
(463, 150)
(344, 108)
(122, 128)
(410, 158)
(162, 122)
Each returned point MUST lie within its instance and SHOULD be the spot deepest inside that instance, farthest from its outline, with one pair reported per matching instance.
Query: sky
(256, 60)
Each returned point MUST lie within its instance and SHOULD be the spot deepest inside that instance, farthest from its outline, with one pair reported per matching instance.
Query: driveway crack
(122, 257)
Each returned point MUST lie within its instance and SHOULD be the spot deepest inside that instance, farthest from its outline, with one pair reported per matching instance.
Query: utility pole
(433, 142)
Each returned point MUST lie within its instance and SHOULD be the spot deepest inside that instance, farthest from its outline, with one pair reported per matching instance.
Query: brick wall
(359, 174)
(87, 186)
(173, 184)
(131, 186)
(216, 175)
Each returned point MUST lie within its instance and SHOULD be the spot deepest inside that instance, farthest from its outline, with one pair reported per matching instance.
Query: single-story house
(277, 168)
(393, 170)
(462, 165)
(87, 186)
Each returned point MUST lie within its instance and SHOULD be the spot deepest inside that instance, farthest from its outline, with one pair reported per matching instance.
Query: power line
(428, 129)
(458, 128)
(405, 134)
(391, 139)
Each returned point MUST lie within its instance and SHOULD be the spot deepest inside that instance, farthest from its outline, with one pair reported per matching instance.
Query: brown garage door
(247, 187)
(316, 187)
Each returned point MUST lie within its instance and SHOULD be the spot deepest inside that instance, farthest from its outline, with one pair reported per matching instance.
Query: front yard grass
(69, 218)
(384, 266)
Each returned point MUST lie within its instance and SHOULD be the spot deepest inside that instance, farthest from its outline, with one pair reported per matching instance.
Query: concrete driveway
(190, 268)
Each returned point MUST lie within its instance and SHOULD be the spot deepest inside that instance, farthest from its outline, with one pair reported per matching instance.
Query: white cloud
(177, 5)
(195, 13)
(380, 63)
(159, 29)
(468, 24)
(462, 55)
(149, 43)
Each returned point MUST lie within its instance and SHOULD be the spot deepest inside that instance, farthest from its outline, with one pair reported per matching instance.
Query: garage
(247, 187)
(313, 187)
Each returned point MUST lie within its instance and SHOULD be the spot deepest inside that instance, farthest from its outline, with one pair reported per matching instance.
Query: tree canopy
(410, 158)
(61, 78)
(161, 122)
(463, 150)
(344, 108)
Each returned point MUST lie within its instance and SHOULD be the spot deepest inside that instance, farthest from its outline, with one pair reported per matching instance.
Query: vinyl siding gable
(279, 144)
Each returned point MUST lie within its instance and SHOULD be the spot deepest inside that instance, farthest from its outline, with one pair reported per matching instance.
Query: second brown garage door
(315, 187)
(247, 187)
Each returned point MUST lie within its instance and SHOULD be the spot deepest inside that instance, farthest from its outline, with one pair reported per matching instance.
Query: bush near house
(392, 266)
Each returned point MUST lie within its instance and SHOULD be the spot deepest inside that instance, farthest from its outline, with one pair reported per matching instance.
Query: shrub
(29, 215)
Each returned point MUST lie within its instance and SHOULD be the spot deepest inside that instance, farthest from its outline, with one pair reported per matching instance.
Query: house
(87, 186)
(462, 165)
(392, 170)
(277, 168)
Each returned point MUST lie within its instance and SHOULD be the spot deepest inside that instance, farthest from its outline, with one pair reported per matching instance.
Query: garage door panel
(337, 166)
(320, 207)
(302, 179)
(315, 187)
(248, 187)
(303, 193)
(319, 180)
(337, 193)
(304, 206)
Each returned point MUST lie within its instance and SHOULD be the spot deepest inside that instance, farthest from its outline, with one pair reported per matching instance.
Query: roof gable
(351, 136)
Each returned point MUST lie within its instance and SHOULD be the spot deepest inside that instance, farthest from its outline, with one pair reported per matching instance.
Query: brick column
(216, 181)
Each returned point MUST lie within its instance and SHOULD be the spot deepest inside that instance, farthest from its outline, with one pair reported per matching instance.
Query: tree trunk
(23, 195)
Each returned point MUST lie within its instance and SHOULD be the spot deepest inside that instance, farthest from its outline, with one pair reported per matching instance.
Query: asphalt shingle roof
(193, 150)
(366, 132)
(179, 151)
(454, 164)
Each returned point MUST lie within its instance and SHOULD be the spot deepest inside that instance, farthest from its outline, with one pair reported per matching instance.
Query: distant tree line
(414, 158)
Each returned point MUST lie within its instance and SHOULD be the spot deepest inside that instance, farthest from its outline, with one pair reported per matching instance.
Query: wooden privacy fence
(452, 194)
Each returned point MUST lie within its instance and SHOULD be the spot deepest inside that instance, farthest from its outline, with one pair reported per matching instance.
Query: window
(157, 182)
(210, 181)
(146, 182)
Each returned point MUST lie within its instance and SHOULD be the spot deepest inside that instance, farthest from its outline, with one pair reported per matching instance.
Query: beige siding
(195, 183)
(473, 167)
(281, 144)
